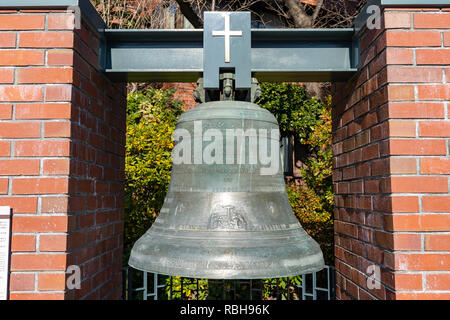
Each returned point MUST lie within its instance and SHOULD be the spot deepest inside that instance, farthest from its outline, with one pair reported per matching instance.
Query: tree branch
(317, 10)
(298, 14)
(189, 13)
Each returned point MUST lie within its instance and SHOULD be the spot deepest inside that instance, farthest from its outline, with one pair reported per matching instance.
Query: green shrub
(151, 119)
(190, 289)
(309, 121)
(297, 114)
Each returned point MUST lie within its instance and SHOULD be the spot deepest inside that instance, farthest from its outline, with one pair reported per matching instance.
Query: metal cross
(227, 33)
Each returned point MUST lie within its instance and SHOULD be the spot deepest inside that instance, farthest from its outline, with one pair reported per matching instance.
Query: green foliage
(151, 119)
(308, 120)
(309, 209)
(297, 115)
(317, 172)
(190, 289)
(283, 285)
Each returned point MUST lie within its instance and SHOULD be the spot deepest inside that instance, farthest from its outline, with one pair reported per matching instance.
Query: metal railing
(138, 285)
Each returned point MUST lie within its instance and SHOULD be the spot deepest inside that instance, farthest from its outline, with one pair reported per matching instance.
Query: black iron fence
(138, 285)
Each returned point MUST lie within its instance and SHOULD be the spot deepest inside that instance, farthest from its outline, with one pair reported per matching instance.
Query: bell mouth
(230, 255)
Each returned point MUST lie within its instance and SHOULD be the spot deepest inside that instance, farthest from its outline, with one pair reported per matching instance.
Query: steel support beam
(276, 55)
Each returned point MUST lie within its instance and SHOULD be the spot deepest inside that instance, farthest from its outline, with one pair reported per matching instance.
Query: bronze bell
(226, 214)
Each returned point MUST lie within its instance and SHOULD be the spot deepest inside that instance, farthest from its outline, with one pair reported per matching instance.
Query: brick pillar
(391, 165)
(62, 136)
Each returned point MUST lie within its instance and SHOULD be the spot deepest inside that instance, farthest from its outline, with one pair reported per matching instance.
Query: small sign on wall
(5, 235)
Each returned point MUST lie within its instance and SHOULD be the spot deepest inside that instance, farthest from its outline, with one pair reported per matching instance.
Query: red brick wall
(62, 136)
(391, 165)
(184, 92)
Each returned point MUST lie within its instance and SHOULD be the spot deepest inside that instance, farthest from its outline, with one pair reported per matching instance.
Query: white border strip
(5, 230)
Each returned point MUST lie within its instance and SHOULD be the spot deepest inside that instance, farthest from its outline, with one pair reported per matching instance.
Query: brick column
(391, 165)
(62, 136)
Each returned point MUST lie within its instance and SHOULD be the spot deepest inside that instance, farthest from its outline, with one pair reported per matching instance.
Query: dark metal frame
(232, 289)
(276, 55)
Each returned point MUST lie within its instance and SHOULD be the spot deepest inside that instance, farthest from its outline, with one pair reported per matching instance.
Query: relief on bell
(227, 218)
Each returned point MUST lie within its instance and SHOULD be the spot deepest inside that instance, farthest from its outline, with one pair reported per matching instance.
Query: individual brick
(21, 58)
(45, 75)
(56, 166)
(413, 110)
(6, 76)
(28, 224)
(432, 20)
(416, 38)
(435, 166)
(20, 204)
(53, 242)
(5, 148)
(60, 57)
(37, 296)
(414, 74)
(58, 93)
(51, 281)
(32, 148)
(401, 93)
(23, 243)
(437, 242)
(434, 92)
(22, 22)
(61, 22)
(421, 262)
(436, 204)
(401, 128)
(18, 129)
(38, 262)
(395, 20)
(46, 40)
(415, 222)
(39, 185)
(401, 165)
(434, 129)
(5, 111)
(418, 185)
(43, 111)
(60, 129)
(7, 40)
(408, 281)
(18, 167)
(433, 57)
(417, 147)
(21, 93)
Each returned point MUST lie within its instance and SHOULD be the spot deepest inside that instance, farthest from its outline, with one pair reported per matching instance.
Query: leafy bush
(317, 222)
(309, 121)
(297, 114)
(192, 290)
(151, 119)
